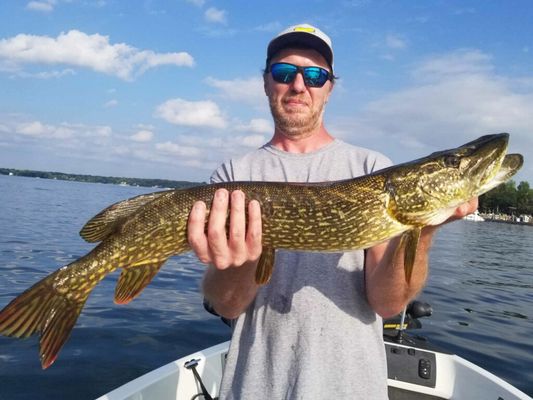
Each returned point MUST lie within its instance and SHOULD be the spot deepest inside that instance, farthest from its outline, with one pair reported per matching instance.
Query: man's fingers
(237, 230)
(254, 232)
(216, 230)
(467, 208)
(224, 249)
(196, 231)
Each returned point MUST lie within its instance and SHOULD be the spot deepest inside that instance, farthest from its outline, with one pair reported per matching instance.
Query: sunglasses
(313, 76)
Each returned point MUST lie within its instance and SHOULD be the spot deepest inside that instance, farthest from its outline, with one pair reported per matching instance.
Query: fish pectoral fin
(409, 241)
(108, 220)
(265, 267)
(133, 279)
(42, 308)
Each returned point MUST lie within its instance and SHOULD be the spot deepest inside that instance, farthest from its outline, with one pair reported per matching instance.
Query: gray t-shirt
(309, 333)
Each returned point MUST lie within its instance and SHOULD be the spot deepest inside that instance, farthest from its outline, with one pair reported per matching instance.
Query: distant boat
(474, 217)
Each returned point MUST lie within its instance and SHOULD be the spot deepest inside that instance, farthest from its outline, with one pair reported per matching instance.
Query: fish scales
(140, 234)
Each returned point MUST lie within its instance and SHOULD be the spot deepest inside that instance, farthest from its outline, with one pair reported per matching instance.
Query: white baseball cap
(302, 35)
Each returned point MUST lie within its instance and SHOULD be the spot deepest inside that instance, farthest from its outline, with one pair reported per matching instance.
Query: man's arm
(229, 282)
(386, 289)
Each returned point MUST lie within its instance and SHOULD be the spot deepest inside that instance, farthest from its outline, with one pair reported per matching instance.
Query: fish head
(427, 191)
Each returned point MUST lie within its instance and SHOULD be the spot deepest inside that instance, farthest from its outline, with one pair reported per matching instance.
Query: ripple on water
(479, 287)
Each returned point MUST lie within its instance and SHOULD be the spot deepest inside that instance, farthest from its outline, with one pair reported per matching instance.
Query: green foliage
(508, 199)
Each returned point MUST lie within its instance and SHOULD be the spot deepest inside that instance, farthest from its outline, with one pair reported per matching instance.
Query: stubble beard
(297, 124)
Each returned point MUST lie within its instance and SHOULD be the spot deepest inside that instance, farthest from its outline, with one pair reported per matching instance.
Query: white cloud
(79, 49)
(257, 125)
(271, 27)
(177, 149)
(454, 98)
(462, 11)
(44, 74)
(460, 62)
(111, 103)
(215, 15)
(142, 136)
(253, 141)
(197, 3)
(204, 153)
(191, 113)
(42, 6)
(101, 131)
(39, 130)
(65, 131)
(243, 90)
(395, 42)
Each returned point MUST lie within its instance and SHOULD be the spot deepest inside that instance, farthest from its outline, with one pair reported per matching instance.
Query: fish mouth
(490, 166)
(485, 157)
(510, 165)
(448, 178)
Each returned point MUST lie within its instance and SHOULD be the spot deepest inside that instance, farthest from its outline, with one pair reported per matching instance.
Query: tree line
(508, 199)
(155, 183)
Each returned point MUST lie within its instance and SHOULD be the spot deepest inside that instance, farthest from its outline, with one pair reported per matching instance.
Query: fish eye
(452, 161)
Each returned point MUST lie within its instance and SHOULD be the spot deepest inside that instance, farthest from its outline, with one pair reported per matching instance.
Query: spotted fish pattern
(138, 235)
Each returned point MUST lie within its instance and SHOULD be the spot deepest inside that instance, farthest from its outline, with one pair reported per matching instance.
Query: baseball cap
(302, 35)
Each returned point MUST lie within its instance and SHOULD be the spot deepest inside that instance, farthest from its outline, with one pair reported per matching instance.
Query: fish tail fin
(43, 308)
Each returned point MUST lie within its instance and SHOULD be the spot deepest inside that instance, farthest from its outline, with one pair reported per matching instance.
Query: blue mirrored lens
(315, 76)
(286, 73)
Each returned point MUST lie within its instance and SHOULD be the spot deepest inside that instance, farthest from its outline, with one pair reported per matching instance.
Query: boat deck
(401, 394)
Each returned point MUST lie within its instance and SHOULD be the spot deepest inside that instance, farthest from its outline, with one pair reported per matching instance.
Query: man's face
(297, 109)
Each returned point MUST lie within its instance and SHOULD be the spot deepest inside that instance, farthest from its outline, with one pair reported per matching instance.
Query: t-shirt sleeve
(377, 161)
(222, 174)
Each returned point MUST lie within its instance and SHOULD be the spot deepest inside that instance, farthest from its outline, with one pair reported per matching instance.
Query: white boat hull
(453, 378)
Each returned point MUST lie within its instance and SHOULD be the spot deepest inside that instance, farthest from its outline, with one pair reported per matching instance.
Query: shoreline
(506, 219)
(123, 181)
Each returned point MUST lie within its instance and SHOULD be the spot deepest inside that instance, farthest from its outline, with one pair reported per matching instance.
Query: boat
(474, 217)
(416, 370)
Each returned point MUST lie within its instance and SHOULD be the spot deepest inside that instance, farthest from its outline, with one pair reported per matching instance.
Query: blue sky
(169, 89)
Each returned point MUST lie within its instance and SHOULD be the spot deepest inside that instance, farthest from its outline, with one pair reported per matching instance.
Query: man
(314, 331)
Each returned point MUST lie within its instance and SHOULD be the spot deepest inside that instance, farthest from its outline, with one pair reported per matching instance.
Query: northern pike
(141, 233)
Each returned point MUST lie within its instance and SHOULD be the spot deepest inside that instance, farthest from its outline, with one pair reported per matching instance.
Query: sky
(170, 89)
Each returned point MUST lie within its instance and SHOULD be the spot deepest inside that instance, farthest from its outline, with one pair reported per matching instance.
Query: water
(481, 290)
(480, 287)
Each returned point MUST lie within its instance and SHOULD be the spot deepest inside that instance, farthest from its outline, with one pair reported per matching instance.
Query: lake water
(480, 287)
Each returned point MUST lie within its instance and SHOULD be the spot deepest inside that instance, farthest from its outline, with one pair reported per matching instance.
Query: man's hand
(387, 291)
(223, 249)
(462, 211)
(466, 208)
(229, 281)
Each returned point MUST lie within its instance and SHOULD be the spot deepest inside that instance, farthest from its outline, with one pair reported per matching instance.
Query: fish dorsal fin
(134, 279)
(108, 220)
(409, 241)
(263, 273)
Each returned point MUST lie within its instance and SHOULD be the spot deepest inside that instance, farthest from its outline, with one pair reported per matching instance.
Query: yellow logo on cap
(304, 29)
